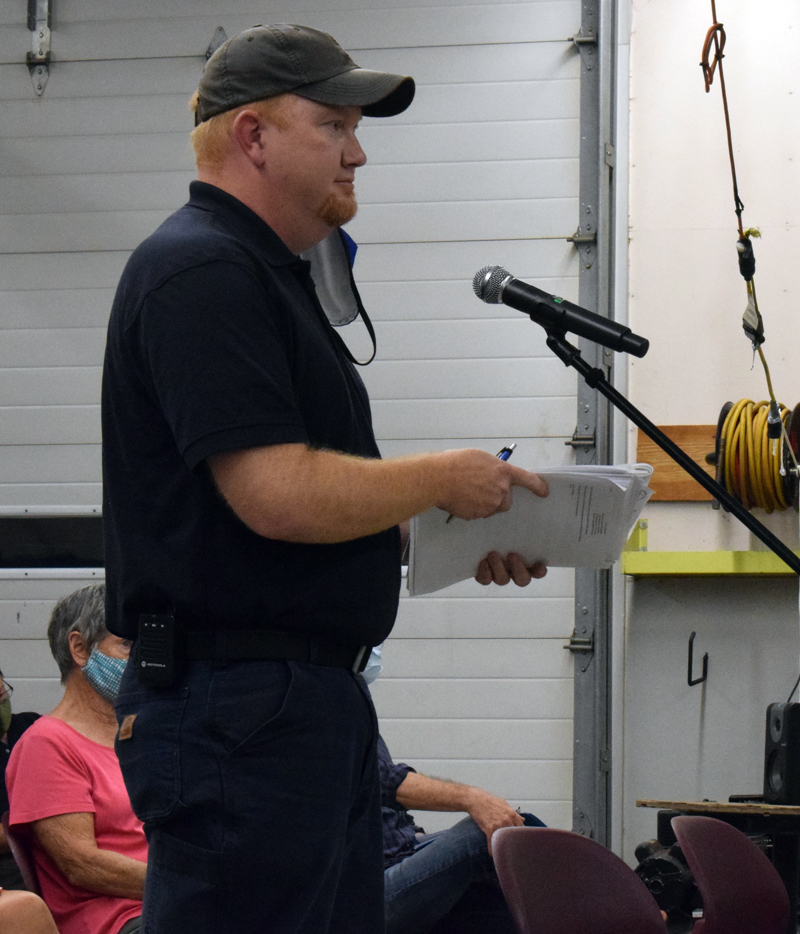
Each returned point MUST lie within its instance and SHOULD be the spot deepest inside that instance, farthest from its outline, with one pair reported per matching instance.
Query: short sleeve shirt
(55, 770)
(217, 342)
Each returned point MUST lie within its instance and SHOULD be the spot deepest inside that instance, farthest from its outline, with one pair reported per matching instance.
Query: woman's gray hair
(83, 611)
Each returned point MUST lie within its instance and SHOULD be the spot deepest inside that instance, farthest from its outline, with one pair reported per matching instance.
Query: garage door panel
(479, 739)
(452, 698)
(53, 347)
(21, 463)
(39, 386)
(467, 378)
(414, 301)
(424, 262)
(414, 418)
(460, 618)
(19, 498)
(65, 424)
(190, 35)
(61, 270)
(474, 658)
(123, 152)
(543, 780)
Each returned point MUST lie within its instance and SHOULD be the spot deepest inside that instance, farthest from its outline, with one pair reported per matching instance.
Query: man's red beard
(338, 208)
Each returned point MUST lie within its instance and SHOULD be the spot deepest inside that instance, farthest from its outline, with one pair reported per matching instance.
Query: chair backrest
(555, 881)
(742, 892)
(22, 856)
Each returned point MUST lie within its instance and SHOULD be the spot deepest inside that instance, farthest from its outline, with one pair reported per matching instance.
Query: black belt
(252, 644)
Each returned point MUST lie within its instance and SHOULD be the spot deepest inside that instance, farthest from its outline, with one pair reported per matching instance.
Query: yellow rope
(752, 461)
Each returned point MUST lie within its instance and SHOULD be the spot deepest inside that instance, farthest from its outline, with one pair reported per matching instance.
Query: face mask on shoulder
(104, 673)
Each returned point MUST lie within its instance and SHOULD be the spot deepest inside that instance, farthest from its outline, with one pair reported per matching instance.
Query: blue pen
(503, 454)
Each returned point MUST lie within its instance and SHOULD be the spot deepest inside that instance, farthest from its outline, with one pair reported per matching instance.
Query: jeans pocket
(248, 702)
(149, 752)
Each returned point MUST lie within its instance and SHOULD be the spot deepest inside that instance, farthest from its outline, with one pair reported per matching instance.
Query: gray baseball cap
(266, 61)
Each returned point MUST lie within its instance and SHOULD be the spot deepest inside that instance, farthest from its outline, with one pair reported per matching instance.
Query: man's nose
(354, 154)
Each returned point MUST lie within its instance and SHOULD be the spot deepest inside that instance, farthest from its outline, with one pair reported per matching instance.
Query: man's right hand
(479, 485)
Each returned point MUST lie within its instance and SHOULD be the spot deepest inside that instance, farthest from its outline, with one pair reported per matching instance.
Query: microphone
(494, 285)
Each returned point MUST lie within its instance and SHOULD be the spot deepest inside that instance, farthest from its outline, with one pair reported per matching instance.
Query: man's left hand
(499, 570)
(491, 813)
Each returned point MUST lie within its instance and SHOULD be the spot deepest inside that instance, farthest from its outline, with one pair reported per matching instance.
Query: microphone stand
(596, 379)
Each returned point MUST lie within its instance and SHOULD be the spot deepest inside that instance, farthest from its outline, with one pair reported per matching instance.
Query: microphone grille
(487, 283)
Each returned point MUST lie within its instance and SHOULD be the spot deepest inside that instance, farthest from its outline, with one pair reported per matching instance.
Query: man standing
(251, 528)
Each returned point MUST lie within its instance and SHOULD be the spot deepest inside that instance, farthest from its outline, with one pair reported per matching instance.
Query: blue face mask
(374, 666)
(104, 673)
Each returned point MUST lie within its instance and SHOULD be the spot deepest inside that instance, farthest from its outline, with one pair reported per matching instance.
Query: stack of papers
(583, 523)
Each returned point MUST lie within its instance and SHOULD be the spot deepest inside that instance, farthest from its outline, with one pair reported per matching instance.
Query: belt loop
(220, 648)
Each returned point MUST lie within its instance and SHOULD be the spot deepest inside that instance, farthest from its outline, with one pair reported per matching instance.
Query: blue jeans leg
(427, 884)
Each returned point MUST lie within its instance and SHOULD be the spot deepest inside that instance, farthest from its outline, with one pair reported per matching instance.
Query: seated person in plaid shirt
(442, 882)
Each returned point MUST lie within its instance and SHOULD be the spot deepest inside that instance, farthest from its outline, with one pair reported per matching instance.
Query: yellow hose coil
(752, 461)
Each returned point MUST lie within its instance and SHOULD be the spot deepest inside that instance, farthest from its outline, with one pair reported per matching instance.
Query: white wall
(706, 741)
(687, 296)
(686, 293)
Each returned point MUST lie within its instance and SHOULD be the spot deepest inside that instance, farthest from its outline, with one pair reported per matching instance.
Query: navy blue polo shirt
(217, 342)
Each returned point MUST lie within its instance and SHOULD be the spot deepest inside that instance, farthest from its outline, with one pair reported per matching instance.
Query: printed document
(583, 523)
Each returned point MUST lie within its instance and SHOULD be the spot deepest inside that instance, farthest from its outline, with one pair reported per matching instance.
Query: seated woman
(65, 786)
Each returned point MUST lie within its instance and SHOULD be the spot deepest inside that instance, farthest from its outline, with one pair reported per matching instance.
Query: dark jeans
(258, 786)
(448, 886)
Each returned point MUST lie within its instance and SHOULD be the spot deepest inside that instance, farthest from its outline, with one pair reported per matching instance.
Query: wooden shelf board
(670, 482)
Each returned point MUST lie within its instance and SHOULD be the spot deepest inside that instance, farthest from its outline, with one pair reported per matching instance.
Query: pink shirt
(55, 770)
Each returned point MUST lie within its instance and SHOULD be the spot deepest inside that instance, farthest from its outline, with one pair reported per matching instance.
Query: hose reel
(756, 452)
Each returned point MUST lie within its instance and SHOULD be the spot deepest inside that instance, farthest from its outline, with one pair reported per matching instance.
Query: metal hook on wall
(692, 681)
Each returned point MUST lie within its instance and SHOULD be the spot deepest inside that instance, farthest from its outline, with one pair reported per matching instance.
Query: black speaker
(782, 754)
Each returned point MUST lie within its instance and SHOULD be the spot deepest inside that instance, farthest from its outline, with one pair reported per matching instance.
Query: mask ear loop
(367, 323)
(328, 270)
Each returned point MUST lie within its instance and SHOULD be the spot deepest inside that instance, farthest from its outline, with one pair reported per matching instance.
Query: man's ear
(247, 133)
(77, 648)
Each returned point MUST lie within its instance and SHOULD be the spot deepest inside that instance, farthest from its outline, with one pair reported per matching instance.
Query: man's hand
(498, 570)
(480, 485)
(491, 813)
(482, 489)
